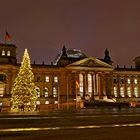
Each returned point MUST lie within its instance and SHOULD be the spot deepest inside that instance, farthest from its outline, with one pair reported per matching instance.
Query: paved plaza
(84, 124)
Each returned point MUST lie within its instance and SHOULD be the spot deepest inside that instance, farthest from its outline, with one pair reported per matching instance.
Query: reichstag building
(71, 74)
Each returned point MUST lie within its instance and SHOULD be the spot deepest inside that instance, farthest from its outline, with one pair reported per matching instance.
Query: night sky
(44, 26)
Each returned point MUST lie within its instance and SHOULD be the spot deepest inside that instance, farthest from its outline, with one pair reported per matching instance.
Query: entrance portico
(91, 75)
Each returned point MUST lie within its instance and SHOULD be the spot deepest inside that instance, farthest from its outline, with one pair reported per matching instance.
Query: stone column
(85, 84)
(105, 84)
(109, 85)
(112, 85)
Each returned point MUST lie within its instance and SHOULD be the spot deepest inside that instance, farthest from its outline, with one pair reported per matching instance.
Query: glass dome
(71, 53)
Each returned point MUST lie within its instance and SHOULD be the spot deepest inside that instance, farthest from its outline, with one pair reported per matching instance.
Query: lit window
(128, 81)
(46, 102)
(54, 92)
(55, 102)
(37, 102)
(3, 53)
(2, 90)
(8, 53)
(135, 81)
(55, 79)
(46, 93)
(136, 92)
(122, 91)
(47, 79)
(38, 91)
(81, 84)
(89, 83)
(129, 92)
(115, 92)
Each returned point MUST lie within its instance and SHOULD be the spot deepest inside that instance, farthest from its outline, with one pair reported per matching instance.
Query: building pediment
(90, 63)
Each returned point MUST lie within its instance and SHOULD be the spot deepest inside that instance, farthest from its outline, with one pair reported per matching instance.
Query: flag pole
(5, 38)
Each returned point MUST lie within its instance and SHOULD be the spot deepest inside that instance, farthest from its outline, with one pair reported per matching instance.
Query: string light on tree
(23, 93)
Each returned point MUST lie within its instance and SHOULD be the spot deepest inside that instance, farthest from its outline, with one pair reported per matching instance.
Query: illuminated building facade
(72, 74)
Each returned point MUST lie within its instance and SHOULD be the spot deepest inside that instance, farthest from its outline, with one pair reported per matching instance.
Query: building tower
(8, 54)
(107, 57)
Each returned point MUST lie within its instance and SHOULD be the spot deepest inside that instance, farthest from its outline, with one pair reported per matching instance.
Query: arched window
(2, 84)
(46, 92)
(38, 91)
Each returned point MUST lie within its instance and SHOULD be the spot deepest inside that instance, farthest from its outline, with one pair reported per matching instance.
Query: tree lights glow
(23, 93)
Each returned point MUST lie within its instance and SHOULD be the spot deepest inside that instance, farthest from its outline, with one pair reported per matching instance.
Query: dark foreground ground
(85, 124)
(87, 134)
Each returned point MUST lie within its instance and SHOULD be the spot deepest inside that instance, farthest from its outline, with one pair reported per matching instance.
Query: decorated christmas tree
(23, 93)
